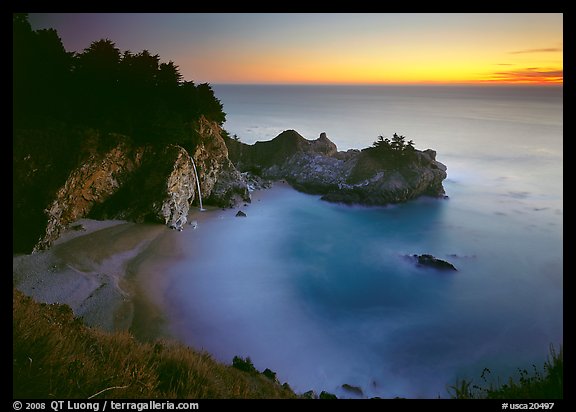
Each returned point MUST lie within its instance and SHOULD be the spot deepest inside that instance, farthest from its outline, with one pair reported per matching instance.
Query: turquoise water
(324, 295)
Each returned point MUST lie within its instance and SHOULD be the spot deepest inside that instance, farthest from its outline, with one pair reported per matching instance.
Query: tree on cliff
(398, 142)
(394, 152)
(96, 80)
(41, 70)
(382, 144)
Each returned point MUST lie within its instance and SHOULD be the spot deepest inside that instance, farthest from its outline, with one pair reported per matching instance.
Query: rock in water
(353, 389)
(355, 177)
(240, 214)
(431, 261)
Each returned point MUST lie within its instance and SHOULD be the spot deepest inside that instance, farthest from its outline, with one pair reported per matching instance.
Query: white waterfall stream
(197, 184)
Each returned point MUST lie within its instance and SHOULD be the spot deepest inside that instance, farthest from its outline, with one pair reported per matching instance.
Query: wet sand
(94, 270)
(111, 272)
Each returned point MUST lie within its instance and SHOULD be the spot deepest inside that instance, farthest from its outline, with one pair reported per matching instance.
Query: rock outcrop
(263, 155)
(96, 179)
(165, 186)
(222, 184)
(354, 390)
(354, 176)
(114, 178)
(430, 261)
(160, 190)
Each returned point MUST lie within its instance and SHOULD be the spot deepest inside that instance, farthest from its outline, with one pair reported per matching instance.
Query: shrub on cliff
(393, 152)
(245, 365)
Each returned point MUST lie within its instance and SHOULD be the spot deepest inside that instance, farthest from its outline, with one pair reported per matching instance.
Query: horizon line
(476, 83)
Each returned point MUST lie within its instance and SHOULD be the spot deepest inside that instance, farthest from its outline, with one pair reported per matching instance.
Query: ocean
(324, 294)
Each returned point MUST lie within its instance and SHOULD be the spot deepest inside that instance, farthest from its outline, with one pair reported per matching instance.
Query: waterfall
(198, 184)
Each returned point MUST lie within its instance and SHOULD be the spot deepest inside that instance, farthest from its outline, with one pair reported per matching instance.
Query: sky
(332, 48)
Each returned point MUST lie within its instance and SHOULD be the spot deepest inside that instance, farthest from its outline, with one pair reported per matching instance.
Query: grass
(534, 385)
(56, 356)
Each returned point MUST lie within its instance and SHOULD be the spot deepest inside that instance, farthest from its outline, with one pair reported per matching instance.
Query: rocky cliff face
(121, 180)
(222, 184)
(263, 155)
(348, 177)
(160, 190)
(97, 178)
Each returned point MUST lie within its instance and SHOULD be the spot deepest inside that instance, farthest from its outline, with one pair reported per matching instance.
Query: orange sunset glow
(326, 48)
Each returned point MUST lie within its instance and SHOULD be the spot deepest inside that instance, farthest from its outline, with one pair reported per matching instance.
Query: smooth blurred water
(324, 295)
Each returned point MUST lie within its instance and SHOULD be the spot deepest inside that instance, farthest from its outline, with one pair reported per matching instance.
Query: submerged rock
(430, 261)
(353, 389)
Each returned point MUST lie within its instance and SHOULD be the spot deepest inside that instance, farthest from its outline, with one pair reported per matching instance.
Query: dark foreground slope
(57, 356)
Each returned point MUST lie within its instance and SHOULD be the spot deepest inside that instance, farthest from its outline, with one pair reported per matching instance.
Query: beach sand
(110, 272)
(91, 270)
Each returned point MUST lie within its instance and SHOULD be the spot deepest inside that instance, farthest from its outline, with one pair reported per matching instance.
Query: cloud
(544, 50)
(529, 75)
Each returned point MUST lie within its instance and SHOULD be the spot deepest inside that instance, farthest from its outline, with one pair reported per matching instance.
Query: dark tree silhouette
(41, 70)
(393, 152)
(100, 60)
(398, 142)
(209, 105)
(382, 143)
(104, 88)
(168, 75)
(96, 82)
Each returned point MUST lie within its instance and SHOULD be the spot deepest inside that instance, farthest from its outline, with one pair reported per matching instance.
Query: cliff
(263, 155)
(108, 176)
(359, 177)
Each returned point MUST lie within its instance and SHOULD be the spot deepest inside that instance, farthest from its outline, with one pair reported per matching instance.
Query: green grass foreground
(57, 356)
(535, 385)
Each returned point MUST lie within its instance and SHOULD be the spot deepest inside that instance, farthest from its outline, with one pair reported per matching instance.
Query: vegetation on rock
(392, 152)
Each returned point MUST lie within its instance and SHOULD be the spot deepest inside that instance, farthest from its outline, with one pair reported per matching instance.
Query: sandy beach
(94, 269)
(110, 272)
